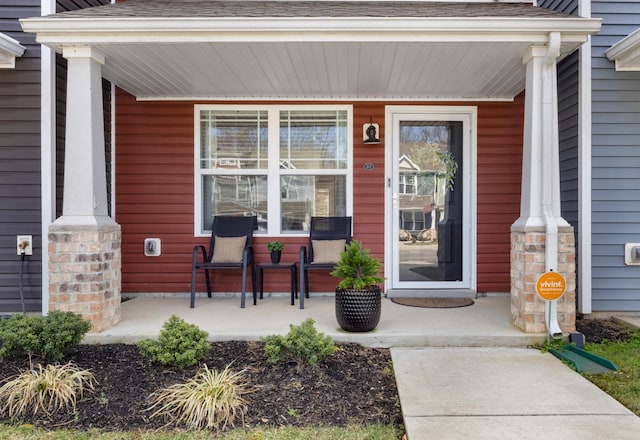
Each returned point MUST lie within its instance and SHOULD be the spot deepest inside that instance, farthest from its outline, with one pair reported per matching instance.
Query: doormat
(434, 303)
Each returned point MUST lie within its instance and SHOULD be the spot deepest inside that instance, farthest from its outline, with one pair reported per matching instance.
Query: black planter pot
(358, 310)
(275, 256)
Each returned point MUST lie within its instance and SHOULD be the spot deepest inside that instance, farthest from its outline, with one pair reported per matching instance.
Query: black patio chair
(229, 248)
(328, 236)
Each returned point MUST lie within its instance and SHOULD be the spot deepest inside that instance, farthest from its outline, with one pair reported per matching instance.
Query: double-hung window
(280, 164)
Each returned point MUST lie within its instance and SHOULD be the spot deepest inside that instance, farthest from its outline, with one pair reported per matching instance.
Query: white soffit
(626, 52)
(9, 50)
(404, 58)
(388, 70)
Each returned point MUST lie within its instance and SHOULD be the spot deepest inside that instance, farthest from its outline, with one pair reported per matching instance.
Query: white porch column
(541, 240)
(84, 244)
(541, 164)
(85, 181)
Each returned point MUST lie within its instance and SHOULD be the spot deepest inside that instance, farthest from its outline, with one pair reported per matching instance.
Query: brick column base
(85, 272)
(527, 264)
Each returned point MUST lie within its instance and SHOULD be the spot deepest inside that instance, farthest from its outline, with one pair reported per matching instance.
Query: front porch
(166, 63)
(487, 323)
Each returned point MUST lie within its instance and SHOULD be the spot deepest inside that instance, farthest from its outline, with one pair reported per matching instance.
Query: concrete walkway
(503, 393)
(463, 373)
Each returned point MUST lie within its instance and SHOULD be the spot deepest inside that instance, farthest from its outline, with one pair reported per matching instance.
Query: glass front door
(431, 222)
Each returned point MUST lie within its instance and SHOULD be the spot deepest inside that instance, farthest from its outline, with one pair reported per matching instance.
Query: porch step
(487, 323)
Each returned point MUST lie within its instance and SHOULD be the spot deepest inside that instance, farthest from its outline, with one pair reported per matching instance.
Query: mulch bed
(598, 330)
(353, 386)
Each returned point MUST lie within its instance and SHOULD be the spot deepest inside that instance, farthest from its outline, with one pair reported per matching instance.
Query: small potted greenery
(358, 295)
(275, 248)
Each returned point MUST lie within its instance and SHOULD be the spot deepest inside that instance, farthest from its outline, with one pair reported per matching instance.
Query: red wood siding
(368, 185)
(154, 192)
(500, 133)
(154, 195)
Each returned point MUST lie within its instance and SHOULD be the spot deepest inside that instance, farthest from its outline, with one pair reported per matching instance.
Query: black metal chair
(327, 237)
(229, 248)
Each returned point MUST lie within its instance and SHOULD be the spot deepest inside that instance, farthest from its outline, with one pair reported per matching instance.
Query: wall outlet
(632, 254)
(152, 247)
(24, 245)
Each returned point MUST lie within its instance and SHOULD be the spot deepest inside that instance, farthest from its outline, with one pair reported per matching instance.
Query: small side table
(293, 270)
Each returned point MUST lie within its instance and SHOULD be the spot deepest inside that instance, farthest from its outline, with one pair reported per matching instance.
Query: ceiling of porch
(191, 49)
(321, 70)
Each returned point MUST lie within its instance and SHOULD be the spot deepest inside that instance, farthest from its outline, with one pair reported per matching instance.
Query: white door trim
(469, 115)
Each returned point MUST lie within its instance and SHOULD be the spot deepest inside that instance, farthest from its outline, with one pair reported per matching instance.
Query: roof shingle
(309, 9)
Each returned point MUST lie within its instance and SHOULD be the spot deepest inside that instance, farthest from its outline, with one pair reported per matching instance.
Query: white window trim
(273, 191)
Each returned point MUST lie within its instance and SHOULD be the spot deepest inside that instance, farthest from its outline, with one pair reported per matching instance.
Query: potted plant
(275, 248)
(358, 297)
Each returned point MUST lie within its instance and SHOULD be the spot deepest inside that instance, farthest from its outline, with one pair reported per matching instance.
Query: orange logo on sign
(551, 286)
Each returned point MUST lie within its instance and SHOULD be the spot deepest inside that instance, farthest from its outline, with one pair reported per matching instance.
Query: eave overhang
(314, 57)
(626, 52)
(9, 50)
(55, 32)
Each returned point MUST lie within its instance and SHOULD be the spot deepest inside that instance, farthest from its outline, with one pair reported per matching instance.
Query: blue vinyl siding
(566, 6)
(20, 162)
(615, 163)
(20, 191)
(568, 136)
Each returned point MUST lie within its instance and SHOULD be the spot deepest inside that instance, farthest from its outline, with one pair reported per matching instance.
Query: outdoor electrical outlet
(632, 254)
(24, 245)
(152, 247)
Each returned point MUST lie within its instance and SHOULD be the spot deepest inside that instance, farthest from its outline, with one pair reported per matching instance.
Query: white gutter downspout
(550, 144)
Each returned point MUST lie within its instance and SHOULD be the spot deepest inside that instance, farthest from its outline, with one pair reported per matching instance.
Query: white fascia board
(626, 52)
(54, 31)
(307, 98)
(8, 44)
(9, 50)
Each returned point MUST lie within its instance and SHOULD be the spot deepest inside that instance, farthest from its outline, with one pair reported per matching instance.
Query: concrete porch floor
(487, 323)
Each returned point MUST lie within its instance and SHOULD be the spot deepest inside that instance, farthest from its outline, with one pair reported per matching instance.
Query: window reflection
(309, 174)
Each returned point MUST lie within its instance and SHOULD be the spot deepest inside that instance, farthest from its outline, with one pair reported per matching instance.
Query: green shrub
(210, 400)
(303, 344)
(60, 330)
(16, 335)
(47, 389)
(180, 344)
(45, 336)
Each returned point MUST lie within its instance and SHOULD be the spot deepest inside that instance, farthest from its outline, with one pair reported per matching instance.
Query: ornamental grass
(210, 400)
(48, 389)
